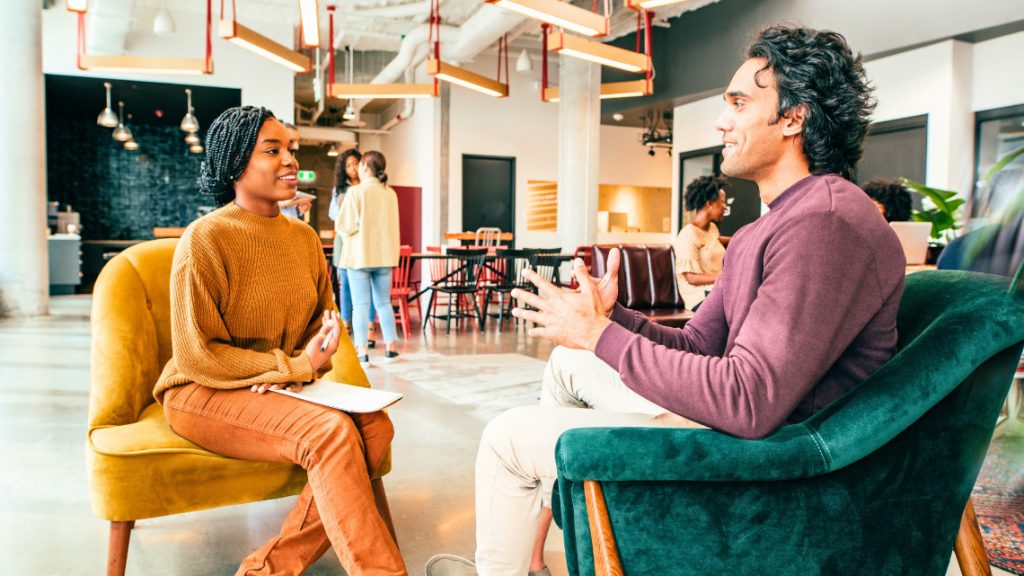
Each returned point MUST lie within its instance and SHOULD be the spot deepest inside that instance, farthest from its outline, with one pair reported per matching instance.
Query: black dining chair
(508, 267)
(548, 261)
(461, 285)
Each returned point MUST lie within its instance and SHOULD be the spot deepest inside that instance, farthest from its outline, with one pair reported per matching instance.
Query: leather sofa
(647, 281)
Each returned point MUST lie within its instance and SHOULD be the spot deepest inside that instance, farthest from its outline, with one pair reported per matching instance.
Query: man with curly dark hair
(803, 311)
(892, 199)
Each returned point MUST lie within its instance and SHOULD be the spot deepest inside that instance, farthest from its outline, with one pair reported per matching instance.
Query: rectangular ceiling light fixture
(251, 40)
(558, 13)
(644, 5)
(144, 64)
(309, 14)
(610, 90)
(466, 79)
(630, 89)
(79, 6)
(598, 52)
(383, 91)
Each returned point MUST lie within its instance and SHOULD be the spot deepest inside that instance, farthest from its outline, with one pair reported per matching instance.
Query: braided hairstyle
(375, 163)
(229, 144)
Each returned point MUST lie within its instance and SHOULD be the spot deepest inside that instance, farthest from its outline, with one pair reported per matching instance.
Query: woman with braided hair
(252, 311)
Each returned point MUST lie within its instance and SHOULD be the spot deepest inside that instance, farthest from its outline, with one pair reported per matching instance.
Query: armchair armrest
(684, 454)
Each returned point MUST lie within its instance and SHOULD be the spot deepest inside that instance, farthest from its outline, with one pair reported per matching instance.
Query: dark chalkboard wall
(123, 195)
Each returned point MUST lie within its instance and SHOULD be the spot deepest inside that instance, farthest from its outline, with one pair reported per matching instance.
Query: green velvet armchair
(874, 484)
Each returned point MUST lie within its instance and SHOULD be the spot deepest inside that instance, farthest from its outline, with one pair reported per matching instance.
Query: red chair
(438, 270)
(400, 288)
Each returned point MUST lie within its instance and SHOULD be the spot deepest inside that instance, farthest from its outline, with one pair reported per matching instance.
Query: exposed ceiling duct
(106, 26)
(415, 10)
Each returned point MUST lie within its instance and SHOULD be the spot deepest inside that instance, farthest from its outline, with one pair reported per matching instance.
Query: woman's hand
(325, 343)
(319, 350)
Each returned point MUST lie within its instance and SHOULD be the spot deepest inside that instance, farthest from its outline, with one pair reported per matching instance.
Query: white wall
(524, 127)
(412, 153)
(625, 161)
(521, 126)
(262, 82)
(998, 73)
(933, 80)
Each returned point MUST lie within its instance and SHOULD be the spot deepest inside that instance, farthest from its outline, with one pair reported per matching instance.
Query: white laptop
(914, 238)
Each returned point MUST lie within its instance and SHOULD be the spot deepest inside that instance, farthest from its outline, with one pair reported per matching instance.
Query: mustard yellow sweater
(247, 294)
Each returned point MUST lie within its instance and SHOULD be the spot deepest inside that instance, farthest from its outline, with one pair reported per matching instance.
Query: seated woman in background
(892, 199)
(252, 311)
(368, 223)
(699, 248)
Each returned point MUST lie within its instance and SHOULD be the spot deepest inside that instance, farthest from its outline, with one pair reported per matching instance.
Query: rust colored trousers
(338, 451)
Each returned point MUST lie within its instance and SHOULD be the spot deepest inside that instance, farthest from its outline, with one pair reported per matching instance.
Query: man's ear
(793, 120)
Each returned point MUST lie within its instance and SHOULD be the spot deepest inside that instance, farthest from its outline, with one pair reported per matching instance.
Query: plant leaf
(1002, 163)
(936, 195)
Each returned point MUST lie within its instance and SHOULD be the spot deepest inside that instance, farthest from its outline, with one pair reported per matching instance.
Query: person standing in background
(698, 248)
(368, 224)
(346, 175)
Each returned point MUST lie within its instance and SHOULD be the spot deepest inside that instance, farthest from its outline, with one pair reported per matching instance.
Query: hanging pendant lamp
(192, 138)
(131, 145)
(107, 118)
(189, 123)
(121, 133)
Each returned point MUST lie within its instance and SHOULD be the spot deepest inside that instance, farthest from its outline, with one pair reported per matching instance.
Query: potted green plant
(944, 211)
(943, 214)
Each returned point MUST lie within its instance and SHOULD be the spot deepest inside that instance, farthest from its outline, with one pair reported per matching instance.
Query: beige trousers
(515, 465)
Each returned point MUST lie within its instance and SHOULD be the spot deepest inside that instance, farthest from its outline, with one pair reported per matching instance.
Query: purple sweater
(804, 310)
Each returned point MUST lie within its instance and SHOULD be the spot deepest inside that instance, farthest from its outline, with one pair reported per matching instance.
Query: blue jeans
(366, 284)
(345, 299)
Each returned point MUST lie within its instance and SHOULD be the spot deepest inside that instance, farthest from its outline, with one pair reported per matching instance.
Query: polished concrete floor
(47, 527)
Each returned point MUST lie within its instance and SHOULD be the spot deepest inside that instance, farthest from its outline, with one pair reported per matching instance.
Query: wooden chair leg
(969, 547)
(381, 498)
(606, 555)
(117, 548)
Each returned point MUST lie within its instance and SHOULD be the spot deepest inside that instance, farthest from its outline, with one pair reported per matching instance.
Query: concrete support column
(579, 148)
(24, 270)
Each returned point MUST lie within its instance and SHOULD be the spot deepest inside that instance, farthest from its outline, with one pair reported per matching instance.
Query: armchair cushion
(647, 281)
(873, 484)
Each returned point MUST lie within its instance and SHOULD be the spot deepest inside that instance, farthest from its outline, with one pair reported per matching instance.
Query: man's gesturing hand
(571, 319)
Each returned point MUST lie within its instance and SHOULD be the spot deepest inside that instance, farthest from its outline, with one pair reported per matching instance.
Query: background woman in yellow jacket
(369, 223)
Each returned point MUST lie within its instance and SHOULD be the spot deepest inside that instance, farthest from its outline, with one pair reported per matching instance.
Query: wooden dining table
(471, 236)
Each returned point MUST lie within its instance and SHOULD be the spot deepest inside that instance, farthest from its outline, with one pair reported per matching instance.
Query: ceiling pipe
(107, 24)
(408, 50)
(407, 109)
(410, 10)
(483, 28)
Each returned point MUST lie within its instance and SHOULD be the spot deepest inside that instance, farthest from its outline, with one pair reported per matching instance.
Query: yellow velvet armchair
(138, 467)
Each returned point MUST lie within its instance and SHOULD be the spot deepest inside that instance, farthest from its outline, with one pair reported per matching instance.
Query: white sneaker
(449, 565)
